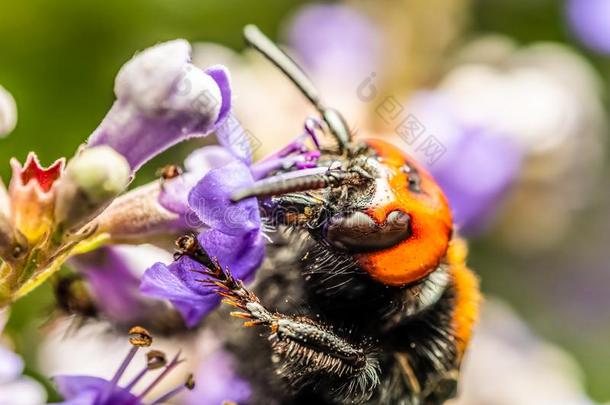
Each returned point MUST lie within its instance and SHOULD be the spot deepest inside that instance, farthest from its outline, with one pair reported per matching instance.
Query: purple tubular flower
(233, 237)
(113, 277)
(218, 383)
(478, 165)
(589, 21)
(233, 233)
(162, 99)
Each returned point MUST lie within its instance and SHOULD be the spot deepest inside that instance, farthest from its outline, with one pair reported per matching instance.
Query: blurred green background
(59, 58)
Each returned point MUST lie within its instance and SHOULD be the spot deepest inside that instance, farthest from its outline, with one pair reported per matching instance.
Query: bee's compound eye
(413, 178)
(357, 232)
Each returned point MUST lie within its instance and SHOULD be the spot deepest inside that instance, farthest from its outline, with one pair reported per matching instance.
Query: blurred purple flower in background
(339, 46)
(13, 384)
(478, 165)
(218, 382)
(114, 285)
(336, 40)
(590, 21)
(113, 275)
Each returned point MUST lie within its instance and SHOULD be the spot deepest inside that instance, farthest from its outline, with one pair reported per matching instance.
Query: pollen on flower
(155, 359)
(190, 382)
(140, 337)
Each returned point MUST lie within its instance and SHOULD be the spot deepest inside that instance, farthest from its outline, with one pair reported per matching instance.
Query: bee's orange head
(402, 232)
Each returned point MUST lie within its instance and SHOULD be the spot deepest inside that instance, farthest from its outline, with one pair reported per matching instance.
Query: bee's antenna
(335, 121)
(304, 180)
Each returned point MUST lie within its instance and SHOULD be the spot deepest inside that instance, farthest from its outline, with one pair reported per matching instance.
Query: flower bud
(161, 100)
(92, 180)
(8, 112)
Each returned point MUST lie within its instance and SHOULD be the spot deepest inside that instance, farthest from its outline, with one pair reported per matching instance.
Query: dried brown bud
(155, 359)
(13, 245)
(140, 337)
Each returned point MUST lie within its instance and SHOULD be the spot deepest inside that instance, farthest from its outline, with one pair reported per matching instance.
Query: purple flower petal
(115, 288)
(242, 254)
(162, 99)
(218, 382)
(204, 159)
(235, 138)
(174, 193)
(163, 281)
(194, 312)
(221, 75)
(589, 19)
(211, 200)
(93, 391)
(182, 287)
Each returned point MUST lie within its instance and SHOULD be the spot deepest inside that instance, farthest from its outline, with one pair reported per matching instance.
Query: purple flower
(233, 230)
(477, 167)
(162, 99)
(85, 390)
(336, 40)
(113, 276)
(89, 390)
(174, 193)
(12, 383)
(589, 21)
(218, 383)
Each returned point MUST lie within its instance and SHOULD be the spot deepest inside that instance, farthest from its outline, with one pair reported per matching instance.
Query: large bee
(365, 297)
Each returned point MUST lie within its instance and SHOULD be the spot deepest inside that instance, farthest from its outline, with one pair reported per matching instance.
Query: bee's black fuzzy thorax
(370, 337)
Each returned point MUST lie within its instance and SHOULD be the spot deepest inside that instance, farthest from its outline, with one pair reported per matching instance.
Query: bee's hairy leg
(306, 352)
